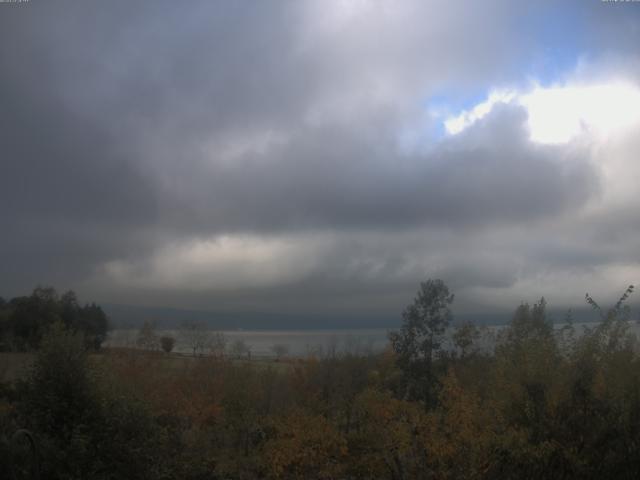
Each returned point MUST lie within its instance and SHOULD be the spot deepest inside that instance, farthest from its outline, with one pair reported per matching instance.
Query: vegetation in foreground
(544, 404)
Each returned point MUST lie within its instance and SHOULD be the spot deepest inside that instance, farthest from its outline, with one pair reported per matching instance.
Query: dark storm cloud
(127, 126)
(330, 179)
(70, 196)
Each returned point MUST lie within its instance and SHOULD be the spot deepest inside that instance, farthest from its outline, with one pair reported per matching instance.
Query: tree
(28, 317)
(527, 363)
(280, 350)
(5, 326)
(382, 443)
(31, 316)
(93, 322)
(239, 348)
(56, 390)
(464, 338)
(305, 446)
(147, 337)
(69, 309)
(612, 333)
(167, 343)
(457, 437)
(618, 310)
(86, 427)
(195, 335)
(218, 344)
(90, 319)
(532, 322)
(420, 337)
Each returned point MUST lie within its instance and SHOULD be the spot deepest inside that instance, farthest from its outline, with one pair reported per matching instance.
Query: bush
(167, 344)
(86, 429)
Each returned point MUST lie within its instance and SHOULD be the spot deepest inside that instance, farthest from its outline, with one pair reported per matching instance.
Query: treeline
(545, 403)
(24, 320)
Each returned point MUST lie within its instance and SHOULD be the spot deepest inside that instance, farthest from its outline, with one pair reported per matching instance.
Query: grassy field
(14, 365)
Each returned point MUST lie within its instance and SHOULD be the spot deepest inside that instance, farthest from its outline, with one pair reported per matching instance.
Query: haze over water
(302, 343)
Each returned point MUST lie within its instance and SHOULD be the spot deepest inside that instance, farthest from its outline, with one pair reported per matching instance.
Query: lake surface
(300, 343)
(261, 342)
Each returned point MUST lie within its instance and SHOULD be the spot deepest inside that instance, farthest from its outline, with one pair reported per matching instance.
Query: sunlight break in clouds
(460, 122)
(559, 114)
(223, 262)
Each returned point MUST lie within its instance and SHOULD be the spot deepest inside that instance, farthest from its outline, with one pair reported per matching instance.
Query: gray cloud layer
(132, 129)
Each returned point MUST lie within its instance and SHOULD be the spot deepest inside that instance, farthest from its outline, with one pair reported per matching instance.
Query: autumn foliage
(544, 402)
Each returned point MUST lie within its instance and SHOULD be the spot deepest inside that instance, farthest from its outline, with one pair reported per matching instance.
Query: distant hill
(128, 316)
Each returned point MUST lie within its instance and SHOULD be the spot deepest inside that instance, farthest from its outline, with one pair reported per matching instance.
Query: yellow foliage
(382, 443)
(304, 446)
(457, 436)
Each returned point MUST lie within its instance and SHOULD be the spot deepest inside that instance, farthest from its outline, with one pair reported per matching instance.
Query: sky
(320, 156)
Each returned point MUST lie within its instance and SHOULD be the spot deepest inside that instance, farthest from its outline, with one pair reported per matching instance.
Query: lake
(261, 342)
(300, 343)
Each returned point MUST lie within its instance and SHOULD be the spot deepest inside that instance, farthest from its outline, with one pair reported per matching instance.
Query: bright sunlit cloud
(224, 262)
(458, 123)
(561, 113)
